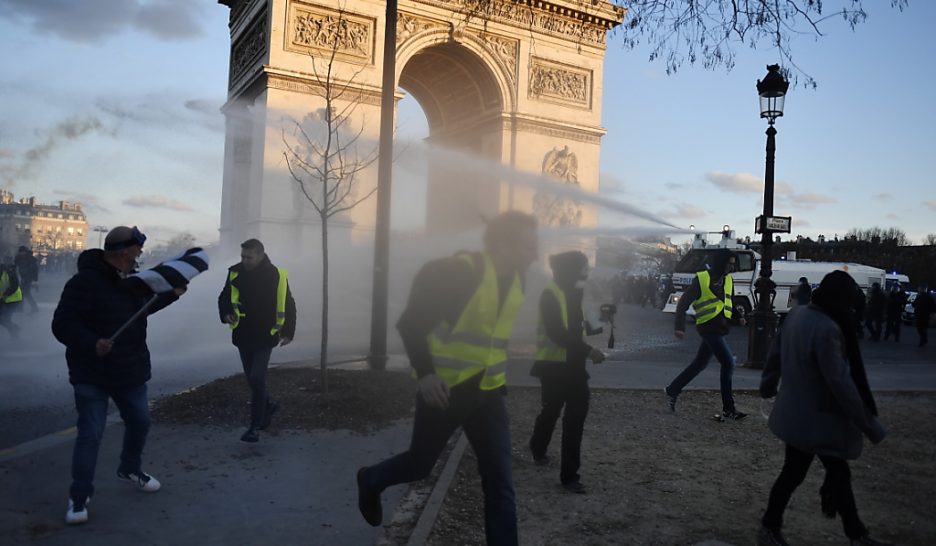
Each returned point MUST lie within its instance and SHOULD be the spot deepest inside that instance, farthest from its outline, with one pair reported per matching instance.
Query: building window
(71, 231)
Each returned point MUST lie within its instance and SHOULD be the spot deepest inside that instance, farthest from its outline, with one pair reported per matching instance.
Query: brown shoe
(368, 501)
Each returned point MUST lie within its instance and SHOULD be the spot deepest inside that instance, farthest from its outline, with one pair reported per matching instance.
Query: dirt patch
(660, 478)
(362, 401)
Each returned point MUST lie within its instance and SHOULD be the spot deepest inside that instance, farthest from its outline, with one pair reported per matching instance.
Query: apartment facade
(46, 229)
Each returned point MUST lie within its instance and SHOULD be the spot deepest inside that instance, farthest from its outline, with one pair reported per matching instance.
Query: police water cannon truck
(786, 274)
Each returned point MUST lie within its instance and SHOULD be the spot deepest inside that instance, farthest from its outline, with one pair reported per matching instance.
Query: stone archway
(517, 82)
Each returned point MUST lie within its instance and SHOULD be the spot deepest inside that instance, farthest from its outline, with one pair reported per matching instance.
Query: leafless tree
(879, 235)
(324, 157)
(708, 32)
(930, 239)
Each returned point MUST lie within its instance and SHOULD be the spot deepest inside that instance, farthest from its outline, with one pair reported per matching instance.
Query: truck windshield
(696, 258)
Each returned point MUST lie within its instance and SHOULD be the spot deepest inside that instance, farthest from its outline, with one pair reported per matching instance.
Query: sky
(116, 104)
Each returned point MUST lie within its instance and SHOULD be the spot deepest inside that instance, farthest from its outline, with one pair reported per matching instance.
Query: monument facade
(515, 83)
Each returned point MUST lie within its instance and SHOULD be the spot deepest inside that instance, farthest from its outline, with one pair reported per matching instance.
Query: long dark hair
(837, 296)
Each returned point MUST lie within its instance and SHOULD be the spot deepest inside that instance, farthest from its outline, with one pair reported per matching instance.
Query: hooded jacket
(824, 404)
(95, 303)
(567, 271)
(258, 303)
(718, 268)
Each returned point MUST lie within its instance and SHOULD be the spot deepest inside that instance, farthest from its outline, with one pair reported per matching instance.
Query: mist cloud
(97, 20)
(31, 161)
(684, 211)
(164, 111)
(744, 183)
(157, 202)
(810, 200)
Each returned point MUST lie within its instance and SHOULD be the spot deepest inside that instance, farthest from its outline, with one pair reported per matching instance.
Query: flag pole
(135, 316)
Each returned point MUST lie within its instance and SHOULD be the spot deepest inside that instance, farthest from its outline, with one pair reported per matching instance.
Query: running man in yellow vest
(258, 306)
(561, 352)
(455, 330)
(710, 297)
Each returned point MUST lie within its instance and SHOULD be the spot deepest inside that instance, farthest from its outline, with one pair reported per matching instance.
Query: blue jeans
(255, 363)
(483, 416)
(712, 344)
(91, 403)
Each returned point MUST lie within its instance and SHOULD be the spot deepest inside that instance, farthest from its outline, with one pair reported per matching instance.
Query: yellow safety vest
(4, 284)
(546, 348)
(280, 301)
(708, 306)
(478, 341)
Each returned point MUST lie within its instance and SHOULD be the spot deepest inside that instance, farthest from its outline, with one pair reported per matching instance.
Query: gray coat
(818, 408)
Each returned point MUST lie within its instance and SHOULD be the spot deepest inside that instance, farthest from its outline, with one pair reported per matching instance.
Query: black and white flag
(175, 272)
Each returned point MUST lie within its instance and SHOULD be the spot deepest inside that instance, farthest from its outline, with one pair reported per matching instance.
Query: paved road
(190, 348)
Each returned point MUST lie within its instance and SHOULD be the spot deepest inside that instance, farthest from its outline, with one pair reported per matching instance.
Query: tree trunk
(323, 362)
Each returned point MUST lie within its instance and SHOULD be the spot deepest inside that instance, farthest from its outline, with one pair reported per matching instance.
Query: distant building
(43, 228)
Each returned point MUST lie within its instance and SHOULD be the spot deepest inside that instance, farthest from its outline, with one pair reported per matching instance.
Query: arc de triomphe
(517, 82)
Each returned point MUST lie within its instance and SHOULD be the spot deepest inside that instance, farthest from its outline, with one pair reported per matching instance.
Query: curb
(430, 512)
(415, 514)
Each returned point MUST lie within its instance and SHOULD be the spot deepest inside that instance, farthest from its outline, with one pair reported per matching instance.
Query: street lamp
(772, 91)
(101, 230)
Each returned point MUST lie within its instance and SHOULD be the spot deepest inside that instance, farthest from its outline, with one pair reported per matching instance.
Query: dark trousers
(6, 320)
(922, 323)
(91, 403)
(874, 328)
(836, 490)
(712, 344)
(255, 362)
(483, 416)
(892, 328)
(28, 296)
(556, 393)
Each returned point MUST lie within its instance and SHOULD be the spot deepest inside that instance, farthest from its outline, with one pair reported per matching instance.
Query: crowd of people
(455, 328)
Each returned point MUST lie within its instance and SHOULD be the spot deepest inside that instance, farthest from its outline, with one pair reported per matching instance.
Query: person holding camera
(561, 353)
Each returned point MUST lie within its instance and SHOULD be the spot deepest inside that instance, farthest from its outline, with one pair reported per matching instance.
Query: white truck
(786, 274)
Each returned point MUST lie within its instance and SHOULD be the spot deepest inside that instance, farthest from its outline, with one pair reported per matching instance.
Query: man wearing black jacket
(257, 304)
(560, 365)
(95, 303)
(710, 295)
(455, 329)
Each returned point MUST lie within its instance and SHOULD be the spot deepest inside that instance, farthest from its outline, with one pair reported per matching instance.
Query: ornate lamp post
(772, 91)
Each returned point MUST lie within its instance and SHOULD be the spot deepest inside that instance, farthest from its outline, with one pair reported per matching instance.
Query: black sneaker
(251, 436)
(575, 487)
(268, 418)
(770, 537)
(670, 400)
(541, 461)
(368, 501)
(733, 415)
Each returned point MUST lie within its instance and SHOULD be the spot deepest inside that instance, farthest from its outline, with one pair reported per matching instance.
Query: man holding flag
(101, 320)
(258, 306)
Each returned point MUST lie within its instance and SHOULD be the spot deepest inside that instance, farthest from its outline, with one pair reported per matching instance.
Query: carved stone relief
(409, 25)
(247, 49)
(505, 50)
(558, 210)
(553, 81)
(352, 37)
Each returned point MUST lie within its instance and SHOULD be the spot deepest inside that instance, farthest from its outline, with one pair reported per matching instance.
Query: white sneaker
(142, 480)
(77, 513)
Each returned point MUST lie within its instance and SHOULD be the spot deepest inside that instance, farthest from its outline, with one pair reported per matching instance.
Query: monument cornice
(551, 127)
(583, 19)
